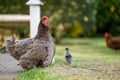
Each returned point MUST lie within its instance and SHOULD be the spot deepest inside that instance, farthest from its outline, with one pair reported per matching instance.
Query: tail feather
(10, 44)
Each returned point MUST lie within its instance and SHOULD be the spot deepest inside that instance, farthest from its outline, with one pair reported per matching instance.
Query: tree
(107, 16)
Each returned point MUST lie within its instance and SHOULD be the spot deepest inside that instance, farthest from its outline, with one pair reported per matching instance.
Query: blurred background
(68, 18)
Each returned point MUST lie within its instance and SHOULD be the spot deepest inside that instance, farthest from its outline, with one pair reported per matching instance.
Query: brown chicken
(32, 52)
(112, 42)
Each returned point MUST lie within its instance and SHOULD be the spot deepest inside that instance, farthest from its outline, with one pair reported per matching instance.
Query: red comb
(44, 17)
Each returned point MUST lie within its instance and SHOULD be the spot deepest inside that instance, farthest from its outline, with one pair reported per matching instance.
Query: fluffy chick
(68, 56)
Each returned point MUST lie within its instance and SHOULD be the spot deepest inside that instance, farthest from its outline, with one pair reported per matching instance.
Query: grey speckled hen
(37, 51)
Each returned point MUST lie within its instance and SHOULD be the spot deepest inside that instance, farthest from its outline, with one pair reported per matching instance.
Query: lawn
(92, 60)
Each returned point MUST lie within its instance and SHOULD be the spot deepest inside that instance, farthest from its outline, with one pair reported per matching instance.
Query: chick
(68, 56)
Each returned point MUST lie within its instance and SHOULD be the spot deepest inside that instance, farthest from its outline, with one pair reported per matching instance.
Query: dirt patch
(8, 67)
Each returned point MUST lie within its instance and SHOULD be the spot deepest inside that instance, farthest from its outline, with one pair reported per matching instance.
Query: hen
(37, 51)
(112, 42)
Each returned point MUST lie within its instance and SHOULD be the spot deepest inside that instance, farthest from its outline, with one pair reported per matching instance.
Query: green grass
(2, 50)
(92, 60)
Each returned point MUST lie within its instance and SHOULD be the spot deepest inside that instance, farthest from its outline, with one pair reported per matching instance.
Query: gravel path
(8, 67)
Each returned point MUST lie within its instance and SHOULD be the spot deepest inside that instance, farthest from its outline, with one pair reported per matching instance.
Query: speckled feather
(68, 56)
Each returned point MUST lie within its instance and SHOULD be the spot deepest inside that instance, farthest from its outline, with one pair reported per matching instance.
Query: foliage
(22, 32)
(76, 30)
(107, 16)
(92, 60)
(13, 7)
(72, 15)
(17, 32)
(66, 16)
(2, 50)
(73, 18)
